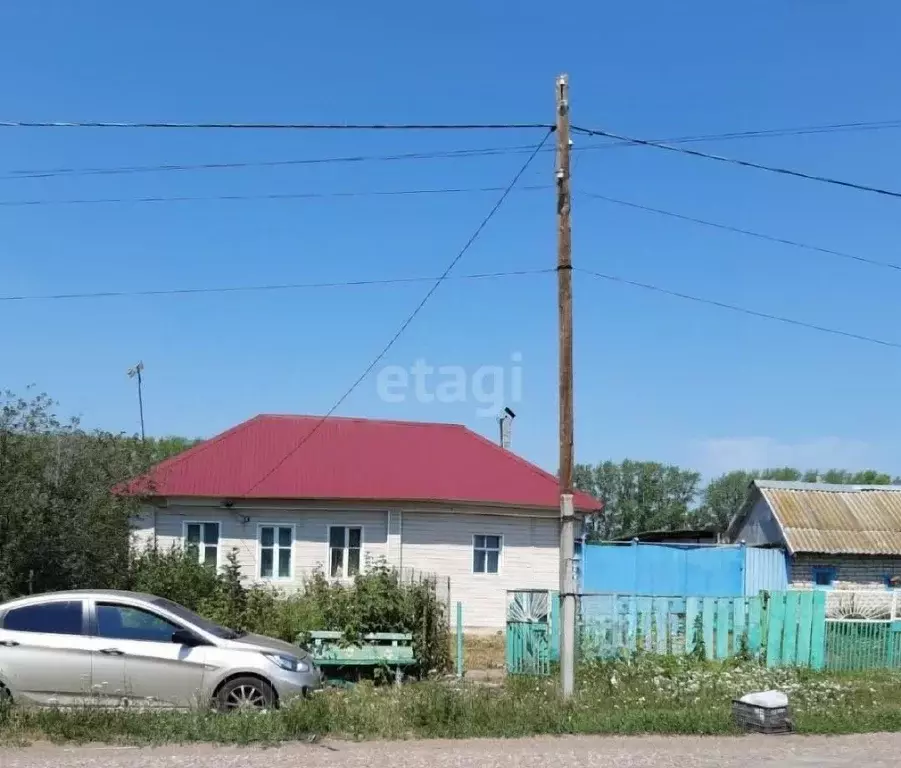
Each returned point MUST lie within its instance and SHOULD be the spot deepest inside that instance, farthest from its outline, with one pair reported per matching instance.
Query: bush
(174, 574)
(376, 601)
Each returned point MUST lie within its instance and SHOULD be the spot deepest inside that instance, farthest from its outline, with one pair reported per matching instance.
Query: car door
(157, 671)
(45, 654)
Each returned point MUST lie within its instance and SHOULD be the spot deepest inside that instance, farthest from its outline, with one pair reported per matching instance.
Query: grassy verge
(665, 696)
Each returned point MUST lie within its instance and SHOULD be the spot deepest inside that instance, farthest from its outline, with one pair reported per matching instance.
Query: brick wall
(852, 571)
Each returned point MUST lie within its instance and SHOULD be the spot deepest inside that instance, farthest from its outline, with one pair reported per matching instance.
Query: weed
(647, 694)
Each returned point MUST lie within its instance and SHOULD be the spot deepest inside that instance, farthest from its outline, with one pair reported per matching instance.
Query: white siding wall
(435, 541)
(442, 543)
(310, 533)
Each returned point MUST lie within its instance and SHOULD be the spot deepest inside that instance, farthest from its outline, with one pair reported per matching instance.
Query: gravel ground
(872, 751)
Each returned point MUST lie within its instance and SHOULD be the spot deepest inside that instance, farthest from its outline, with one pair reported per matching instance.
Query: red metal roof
(360, 459)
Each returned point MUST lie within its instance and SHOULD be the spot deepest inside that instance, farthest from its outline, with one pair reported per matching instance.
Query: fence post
(708, 604)
(818, 632)
(790, 632)
(775, 629)
(459, 639)
(805, 626)
(691, 617)
(754, 624)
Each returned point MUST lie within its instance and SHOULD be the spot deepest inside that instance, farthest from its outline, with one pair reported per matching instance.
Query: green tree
(866, 477)
(60, 525)
(161, 448)
(638, 496)
(724, 496)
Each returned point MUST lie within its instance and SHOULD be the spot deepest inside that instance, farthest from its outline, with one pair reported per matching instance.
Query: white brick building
(835, 536)
(290, 497)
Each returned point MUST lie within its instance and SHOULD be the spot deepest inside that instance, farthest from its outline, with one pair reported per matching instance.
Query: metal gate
(863, 630)
(531, 632)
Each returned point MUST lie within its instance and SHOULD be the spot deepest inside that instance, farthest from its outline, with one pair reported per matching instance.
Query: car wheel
(245, 694)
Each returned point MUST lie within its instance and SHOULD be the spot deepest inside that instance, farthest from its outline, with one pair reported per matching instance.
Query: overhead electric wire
(278, 126)
(742, 310)
(115, 170)
(739, 230)
(743, 163)
(384, 351)
(265, 287)
(41, 173)
(264, 196)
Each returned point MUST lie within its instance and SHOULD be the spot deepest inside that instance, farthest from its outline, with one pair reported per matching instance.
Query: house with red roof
(291, 494)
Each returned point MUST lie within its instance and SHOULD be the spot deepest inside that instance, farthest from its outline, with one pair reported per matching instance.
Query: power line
(269, 287)
(743, 163)
(451, 154)
(281, 126)
(375, 361)
(750, 233)
(268, 196)
(743, 310)
(41, 173)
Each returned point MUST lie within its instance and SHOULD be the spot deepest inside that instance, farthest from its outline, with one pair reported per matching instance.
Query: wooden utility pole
(565, 305)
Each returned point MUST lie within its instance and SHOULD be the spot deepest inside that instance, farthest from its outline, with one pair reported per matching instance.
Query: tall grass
(650, 695)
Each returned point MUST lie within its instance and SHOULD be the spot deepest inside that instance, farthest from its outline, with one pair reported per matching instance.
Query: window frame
(184, 539)
(830, 570)
(95, 621)
(85, 625)
(276, 548)
(486, 549)
(328, 550)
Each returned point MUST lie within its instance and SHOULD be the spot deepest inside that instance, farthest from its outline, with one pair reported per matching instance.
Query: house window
(486, 554)
(276, 545)
(345, 546)
(823, 577)
(202, 539)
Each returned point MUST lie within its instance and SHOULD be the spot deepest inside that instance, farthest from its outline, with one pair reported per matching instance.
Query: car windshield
(198, 621)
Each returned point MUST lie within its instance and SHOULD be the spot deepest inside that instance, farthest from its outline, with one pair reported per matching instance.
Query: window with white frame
(202, 539)
(486, 554)
(276, 546)
(345, 546)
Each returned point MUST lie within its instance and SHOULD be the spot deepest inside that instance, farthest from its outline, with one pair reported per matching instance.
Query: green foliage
(174, 574)
(376, 601)
(640, 496)
(665, 695)
(724, 496)
(646, 496)
(60, 527)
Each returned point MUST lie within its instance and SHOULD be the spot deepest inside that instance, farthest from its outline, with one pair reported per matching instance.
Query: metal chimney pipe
(505, 421)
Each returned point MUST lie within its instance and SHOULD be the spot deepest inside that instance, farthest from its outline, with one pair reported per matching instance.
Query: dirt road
(658, 752)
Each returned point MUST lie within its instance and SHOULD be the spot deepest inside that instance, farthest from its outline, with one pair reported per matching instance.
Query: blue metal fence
(698, 570)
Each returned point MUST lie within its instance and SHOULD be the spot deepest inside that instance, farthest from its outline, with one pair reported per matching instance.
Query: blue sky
(656, 377)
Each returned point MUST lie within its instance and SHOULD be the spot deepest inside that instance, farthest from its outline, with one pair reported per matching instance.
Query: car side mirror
(184, 637)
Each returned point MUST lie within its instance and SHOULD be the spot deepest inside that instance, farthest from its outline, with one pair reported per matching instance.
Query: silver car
(108, 648)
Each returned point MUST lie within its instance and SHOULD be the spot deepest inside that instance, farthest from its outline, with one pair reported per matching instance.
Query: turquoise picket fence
(780, 628)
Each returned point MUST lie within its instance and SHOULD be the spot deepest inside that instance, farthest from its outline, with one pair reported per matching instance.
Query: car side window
(60, 618)
(125, 622)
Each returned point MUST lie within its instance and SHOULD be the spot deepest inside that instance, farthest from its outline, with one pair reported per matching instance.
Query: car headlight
(288, 663)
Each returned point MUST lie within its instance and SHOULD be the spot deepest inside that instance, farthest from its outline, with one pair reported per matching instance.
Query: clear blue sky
(656, 377)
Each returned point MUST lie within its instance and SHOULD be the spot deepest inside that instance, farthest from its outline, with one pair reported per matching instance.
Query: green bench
(393, 650)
